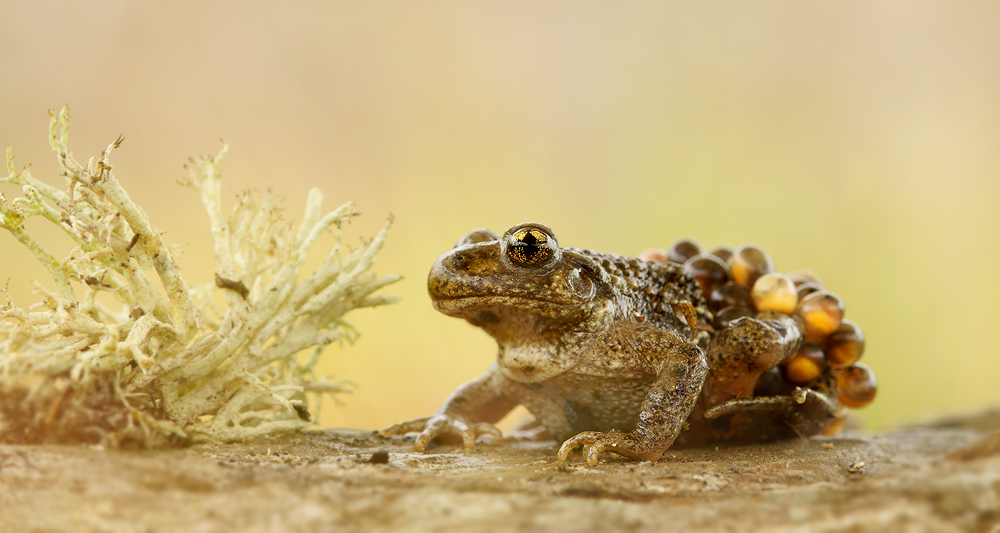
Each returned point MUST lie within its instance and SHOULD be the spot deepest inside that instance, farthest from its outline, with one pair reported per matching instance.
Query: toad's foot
(627, 444)
(805, 411)
(439, 425)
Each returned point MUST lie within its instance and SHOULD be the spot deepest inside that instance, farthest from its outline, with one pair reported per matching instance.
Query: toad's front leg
(666, 407)
(469, 412)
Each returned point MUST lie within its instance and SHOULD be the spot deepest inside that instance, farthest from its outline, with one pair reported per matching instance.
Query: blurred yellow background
(858, 139)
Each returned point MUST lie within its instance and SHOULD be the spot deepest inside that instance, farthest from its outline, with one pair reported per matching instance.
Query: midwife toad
(610, 352)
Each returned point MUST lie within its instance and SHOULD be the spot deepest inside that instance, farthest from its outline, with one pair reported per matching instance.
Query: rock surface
(943, 476)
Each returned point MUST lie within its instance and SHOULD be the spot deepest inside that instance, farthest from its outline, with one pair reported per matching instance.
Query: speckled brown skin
(599, 348)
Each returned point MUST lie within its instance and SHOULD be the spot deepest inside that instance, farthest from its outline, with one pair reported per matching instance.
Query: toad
(611, 353)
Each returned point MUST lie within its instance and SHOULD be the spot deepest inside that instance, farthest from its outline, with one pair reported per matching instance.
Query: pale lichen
(172, 364)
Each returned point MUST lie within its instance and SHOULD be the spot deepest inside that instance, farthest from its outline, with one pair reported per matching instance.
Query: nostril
(529, 369)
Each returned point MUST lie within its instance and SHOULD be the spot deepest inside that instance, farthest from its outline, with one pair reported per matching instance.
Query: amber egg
(822, 312)
(728, 314)
(806, 365)
(845, 345)
(710, 271)
(748, 263)
(684, 249)
(774, 292)
(804, 275)
(856, 385)
(729, 294)
(658, 255)
(807, 288)
(722, 251)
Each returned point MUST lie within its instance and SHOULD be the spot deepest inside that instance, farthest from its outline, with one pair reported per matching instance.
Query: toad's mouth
(508, 307)
(495, 298)
(474, 305)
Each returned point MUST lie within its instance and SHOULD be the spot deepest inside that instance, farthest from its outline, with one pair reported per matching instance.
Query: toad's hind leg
(744, 350)
(737, 357)
(805, 412)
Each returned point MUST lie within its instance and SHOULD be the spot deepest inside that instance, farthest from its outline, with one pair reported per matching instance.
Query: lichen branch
(171, 365)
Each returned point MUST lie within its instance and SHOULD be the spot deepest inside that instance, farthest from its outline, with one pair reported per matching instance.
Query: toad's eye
(531, 246)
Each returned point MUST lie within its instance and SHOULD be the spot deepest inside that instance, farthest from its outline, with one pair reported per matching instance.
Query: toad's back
(648, 290)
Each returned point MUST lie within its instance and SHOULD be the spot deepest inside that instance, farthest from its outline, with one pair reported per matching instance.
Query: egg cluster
(743, 282)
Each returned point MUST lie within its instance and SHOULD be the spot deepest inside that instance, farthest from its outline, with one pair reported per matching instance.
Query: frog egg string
(743, 282)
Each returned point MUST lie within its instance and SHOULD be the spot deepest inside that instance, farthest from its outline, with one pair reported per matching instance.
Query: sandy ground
(938, 477)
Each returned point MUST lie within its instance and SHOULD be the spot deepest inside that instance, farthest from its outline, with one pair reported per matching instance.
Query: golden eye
(531, 246)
